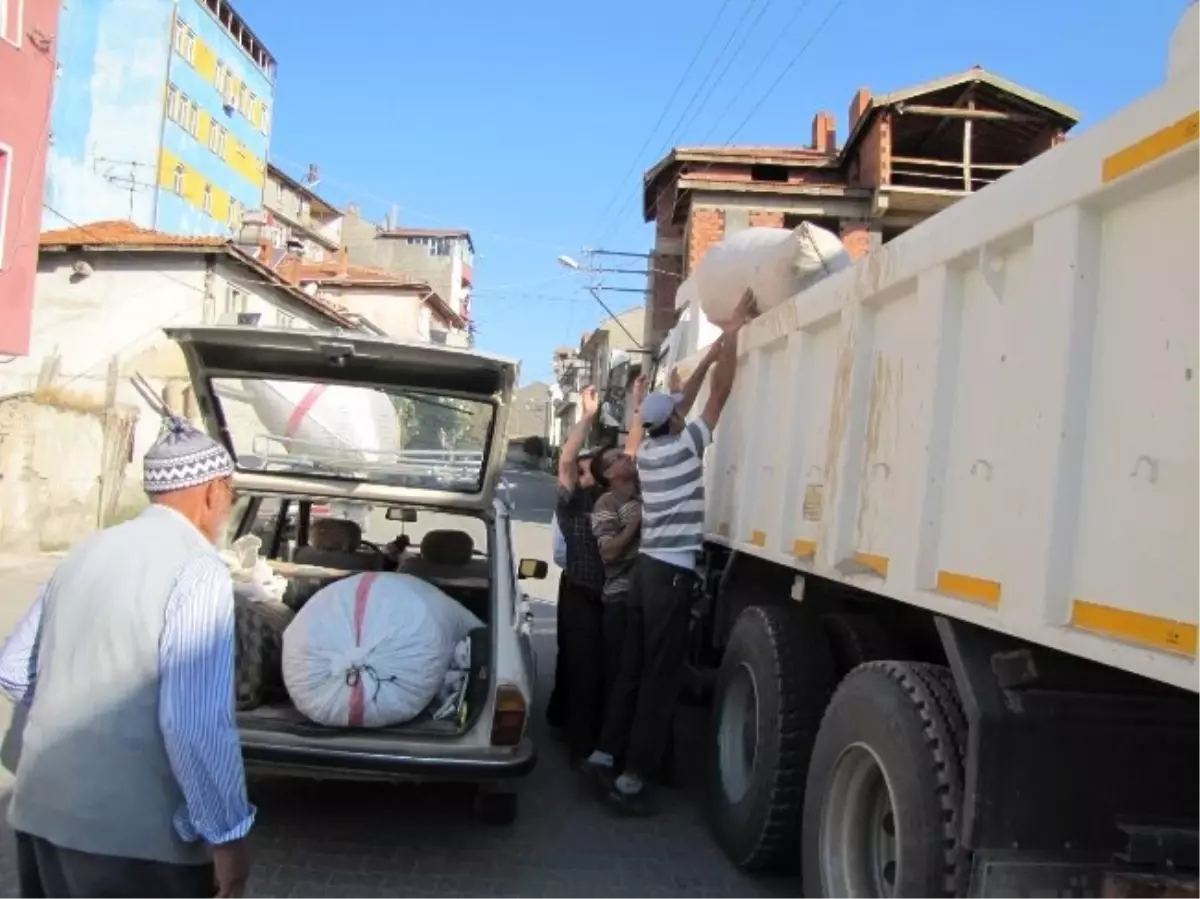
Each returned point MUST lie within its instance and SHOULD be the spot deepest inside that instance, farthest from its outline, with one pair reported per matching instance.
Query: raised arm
(637, 428)
(726, 363)
(691, 388)
(568, 460)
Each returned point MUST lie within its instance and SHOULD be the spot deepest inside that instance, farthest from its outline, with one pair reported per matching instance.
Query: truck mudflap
(1069, 767)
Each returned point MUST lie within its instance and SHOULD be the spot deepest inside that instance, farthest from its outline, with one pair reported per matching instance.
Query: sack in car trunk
(372, 650)
(259, 667)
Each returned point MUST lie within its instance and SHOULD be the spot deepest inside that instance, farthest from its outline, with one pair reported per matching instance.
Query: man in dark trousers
(581, 615)
(671, 471)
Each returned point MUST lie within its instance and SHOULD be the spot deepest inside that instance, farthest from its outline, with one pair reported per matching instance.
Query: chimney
(862, 99)
(824, 133)
(343, 260)
(352, 209)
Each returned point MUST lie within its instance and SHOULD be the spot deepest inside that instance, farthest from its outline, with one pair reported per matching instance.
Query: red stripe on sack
(302, 409)
(361, 595)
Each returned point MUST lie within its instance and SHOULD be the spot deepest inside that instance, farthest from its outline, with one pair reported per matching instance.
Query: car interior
(311, 551)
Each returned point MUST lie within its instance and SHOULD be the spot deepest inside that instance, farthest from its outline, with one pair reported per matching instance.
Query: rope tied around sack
(354, 678)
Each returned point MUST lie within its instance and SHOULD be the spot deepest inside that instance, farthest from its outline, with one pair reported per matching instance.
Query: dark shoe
(631, 805)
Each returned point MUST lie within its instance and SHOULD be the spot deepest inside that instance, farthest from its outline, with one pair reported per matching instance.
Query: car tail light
(508, 720)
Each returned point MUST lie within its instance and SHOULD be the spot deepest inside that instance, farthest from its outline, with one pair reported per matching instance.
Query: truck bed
(994, 417)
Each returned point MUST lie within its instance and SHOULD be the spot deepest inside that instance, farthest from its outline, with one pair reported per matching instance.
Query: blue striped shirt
(196, 705)
(671, 470)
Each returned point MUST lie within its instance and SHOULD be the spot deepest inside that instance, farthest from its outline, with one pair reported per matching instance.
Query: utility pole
(123, 174)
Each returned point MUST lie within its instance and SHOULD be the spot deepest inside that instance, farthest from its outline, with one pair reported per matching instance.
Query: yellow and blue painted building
(162, 115)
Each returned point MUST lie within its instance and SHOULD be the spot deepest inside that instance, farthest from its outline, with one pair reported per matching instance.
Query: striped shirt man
(671, 469)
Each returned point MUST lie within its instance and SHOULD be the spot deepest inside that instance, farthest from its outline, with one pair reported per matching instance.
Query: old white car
(431, 513)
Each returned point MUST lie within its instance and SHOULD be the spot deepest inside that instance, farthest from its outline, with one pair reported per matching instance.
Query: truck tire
(775, 681)
(883, 803)
(855, 639)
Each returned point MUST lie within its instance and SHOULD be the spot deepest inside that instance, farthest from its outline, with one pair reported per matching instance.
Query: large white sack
(775, 263)
(355, 420)
(372, 650)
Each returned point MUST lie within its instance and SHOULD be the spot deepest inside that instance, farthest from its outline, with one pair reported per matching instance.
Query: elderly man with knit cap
(129, 780)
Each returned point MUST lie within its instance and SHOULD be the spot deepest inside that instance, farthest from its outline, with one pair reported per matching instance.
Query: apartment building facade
(27, 55)
(162, 117)
(444, 258)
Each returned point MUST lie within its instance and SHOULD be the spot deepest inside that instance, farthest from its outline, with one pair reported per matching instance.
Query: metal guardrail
(463, 466)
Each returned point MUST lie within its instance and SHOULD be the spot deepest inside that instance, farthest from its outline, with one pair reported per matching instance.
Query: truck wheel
(883, 804)
(855, 639)
(775, 681)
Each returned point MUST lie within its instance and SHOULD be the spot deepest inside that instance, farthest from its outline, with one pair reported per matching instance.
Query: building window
(192, 125)
(172, 102)
(12, 21)
(265, 119)
(231, 92)
(221, 81)
(236, 301)
(216, 139)
(305, 208)
(177, 185)
(185, 41)
(206, 204)
(279, 193)
(252, 108)
(6, 167)
(284, 320)
(235, 215)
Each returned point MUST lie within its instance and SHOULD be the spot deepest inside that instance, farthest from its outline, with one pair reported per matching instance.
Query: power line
(762, 61)
(437, 220)
(728, 63)
(786, 70)
(603, 217)
(684, 122)
(770, 89)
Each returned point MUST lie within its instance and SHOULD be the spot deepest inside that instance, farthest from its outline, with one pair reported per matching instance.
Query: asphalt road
(360, 839)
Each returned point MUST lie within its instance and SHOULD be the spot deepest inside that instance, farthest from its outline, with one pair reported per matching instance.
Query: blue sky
(523, 121)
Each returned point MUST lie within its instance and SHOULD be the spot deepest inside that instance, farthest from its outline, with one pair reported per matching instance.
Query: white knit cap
(183, 457)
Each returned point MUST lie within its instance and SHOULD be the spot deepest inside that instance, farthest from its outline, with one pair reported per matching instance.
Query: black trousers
(582, 626)
(44, 869)
(666, 593)
(639, 718)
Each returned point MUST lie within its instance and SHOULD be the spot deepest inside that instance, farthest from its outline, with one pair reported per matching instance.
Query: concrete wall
(24, 108)
(50, 465)
(396, 312)
(107, 115)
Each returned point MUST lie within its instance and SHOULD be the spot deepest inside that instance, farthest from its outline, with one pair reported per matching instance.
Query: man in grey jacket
(129, 780)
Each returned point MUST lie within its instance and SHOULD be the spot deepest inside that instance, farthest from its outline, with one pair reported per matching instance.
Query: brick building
(909, 154)
(27, 57)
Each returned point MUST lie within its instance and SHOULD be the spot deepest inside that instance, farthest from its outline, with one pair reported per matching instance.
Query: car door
(522, 611)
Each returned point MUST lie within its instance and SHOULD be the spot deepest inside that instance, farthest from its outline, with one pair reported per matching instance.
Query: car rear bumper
(329, 761)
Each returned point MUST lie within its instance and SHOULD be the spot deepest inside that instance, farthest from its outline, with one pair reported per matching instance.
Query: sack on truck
(773, 262)
(372, 650)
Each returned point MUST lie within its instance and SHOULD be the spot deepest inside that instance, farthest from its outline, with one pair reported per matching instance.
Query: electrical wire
(602, 219)
(762, 61)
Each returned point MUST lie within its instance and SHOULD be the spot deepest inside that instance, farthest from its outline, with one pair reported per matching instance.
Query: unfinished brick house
(909, 154)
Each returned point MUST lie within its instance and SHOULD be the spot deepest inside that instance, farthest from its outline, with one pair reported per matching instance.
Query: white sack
(386, 670)
(775, 263)
(358, 420)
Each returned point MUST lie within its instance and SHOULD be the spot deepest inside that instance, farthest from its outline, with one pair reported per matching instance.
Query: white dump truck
(951, 540)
